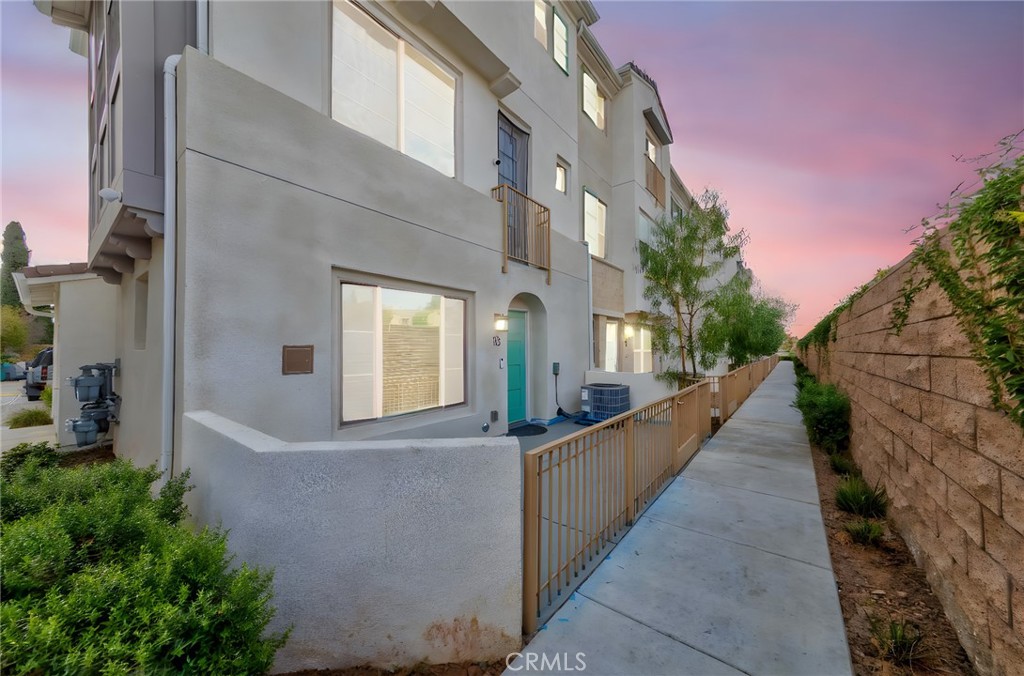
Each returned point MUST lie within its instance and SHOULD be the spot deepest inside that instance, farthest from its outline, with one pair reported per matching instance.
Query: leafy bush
(98, 577)
(897, 640)
(855, 496)
(842, 465)
(29, 417)
(826, 413)
(864, 531)
(41, 453)
(47, 396)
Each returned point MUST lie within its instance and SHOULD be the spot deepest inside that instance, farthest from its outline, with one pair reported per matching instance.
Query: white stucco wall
(84, 333)
(277, 201)
(384, 553)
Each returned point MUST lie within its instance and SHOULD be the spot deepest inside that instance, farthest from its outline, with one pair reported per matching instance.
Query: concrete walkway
(728, 572)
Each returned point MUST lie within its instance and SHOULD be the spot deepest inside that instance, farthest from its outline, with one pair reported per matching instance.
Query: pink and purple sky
(829, 127)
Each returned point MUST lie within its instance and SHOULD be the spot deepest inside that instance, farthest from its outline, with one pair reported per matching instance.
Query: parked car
(12, 371)
(37, 374)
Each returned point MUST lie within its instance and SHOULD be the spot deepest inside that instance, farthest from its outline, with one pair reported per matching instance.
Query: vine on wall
(981, 272)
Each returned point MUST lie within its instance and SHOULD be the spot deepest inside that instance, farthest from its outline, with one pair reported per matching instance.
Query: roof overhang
(660, 129)
(594, 58)
(73, 14)
(37, 286)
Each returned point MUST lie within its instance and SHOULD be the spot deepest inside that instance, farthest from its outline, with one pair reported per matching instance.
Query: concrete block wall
(953, 466)
(386, 553)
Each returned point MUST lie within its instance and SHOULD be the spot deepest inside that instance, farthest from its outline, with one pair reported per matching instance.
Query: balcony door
(513, 167)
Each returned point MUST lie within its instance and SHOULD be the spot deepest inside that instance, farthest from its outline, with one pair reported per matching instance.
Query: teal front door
(516, 366)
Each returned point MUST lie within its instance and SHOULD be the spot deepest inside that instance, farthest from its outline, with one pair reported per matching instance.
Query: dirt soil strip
(459, 669)
(884, 582)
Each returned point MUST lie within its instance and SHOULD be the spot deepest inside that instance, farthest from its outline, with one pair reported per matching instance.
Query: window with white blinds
(401, 351)
(593, 223)
(643, 357)
(391, 91)
(593, 101)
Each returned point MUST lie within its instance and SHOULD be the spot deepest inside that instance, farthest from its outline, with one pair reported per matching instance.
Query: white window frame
(341, 278)
(596, 110)
(541, 7)
(612, 340)
(597, 238)
(651, 148)
(403, 40)
(643, 359)
(562, 170)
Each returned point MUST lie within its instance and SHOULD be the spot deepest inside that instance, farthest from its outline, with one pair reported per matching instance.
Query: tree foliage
(681, 262)
(15, 257)
(744, 324)
(13, 331)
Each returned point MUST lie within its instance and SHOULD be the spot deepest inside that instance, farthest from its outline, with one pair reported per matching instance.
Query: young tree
(744, 324)
(15, 257)
(681, 263)
(13, 331)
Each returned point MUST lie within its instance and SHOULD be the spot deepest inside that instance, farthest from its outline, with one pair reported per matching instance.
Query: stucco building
(341, 220)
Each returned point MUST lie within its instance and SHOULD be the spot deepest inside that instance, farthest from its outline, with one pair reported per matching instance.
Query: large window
(593, 101)
(401, 351)
(391, 91)
(593, 223)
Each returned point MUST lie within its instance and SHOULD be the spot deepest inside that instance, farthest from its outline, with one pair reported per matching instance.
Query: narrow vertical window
(561, 178)
(560, 43)
(611, 346)
(593, 101)
(652, 150)
(643, 361)
(540, 22)
(593, 223)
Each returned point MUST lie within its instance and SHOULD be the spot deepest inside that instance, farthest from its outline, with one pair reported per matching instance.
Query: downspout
(170, 264)
(203, 26)
(590, 311)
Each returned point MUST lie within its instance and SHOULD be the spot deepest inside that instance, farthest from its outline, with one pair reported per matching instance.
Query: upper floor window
(560, 42)
(593, 223)
(676, 211)
(651, 149)
(401, 351)
(643, 361)
(593, 101)
(391, 91)
(540, 22)
(561, 177)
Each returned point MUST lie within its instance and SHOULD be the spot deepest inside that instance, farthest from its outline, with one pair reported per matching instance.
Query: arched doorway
(526, 356)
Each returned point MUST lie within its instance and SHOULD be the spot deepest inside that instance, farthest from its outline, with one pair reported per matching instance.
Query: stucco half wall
(385, 553)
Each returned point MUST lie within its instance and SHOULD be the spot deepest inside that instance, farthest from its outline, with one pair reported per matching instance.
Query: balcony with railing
(526, 229)
(655, 181)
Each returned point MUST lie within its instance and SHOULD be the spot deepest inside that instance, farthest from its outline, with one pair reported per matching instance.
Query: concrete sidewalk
(728, 572)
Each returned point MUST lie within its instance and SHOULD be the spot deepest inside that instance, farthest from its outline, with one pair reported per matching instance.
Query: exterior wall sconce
(628, 331)
(500, 322)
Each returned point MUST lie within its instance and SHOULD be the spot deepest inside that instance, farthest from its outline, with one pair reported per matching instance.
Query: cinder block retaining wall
(386, 553)
(953, 466)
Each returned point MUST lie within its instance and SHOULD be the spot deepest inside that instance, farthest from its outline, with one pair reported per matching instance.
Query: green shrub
(897, 640)
(864, 532)
(826, 413)
(855, 496)
(841, 464)
(30, 417)
(41, 453)
(98, 577)
(47, 396)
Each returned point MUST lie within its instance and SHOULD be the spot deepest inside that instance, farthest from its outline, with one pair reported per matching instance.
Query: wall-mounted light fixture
(628, 331)
(109, 195)
(500, 322)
